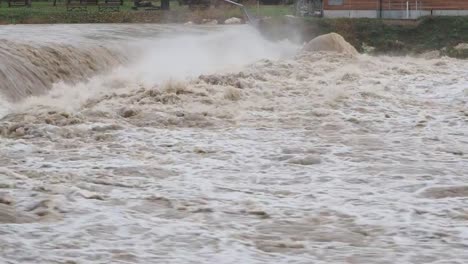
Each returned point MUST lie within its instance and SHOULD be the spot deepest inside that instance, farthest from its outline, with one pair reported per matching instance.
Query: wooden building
(398, 9)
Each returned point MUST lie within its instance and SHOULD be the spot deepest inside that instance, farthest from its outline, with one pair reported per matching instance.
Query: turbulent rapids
(169, 144)
(29, 69)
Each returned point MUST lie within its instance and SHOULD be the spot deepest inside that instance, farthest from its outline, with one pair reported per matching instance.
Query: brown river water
(210, 144)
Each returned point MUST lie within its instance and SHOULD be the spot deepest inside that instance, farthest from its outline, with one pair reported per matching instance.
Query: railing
(410, 9)
(309, 8)
(246, 13)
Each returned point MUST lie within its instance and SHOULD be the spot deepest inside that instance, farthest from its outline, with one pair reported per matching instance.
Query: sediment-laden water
(171, 144)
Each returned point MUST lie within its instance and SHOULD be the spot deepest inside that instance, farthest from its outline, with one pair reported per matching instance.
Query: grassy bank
(367, 35)
(46, 13)
(432, 33)
(379, 36)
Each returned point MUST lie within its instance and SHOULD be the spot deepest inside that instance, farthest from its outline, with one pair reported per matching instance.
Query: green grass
(47, 7)
(432, 33)
(45, 12)
(404, 37)
(271, 10)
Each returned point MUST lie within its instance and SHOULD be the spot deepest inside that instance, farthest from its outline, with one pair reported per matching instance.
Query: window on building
(335, 2)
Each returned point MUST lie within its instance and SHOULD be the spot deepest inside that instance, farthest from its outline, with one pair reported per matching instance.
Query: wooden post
(164, 4)
(380, 9)
(407, 10)
(258, 8)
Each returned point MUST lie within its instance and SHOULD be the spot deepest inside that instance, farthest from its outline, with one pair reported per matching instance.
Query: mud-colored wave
(322, 157)
(28, 69)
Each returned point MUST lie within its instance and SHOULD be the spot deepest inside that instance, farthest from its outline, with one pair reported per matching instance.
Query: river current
(210, 144)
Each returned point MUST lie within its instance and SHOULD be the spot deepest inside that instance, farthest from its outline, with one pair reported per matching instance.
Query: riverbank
(218, 146)
(45, 13)
(437, 35)
(432, 34)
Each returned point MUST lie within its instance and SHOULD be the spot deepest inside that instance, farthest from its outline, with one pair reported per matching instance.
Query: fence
(309, 8)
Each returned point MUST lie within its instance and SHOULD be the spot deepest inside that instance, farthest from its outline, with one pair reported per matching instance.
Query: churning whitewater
(172, 144)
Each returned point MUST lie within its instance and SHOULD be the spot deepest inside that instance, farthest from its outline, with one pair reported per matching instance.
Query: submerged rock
(128, 112)
(462, 46)
(210, 21)
(233, 20)
(332, 42)
(445, 192)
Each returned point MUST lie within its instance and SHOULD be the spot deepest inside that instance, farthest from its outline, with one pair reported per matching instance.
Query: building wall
(391, 14)
(354, 5)
(396, 9)
(397, 5)
(445, 4)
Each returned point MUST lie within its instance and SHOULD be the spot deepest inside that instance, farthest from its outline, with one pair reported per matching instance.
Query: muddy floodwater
(186, 144)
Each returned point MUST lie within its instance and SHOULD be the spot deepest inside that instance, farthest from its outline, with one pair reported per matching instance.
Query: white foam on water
(4, 107)
(174, 55)
(317, 158)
